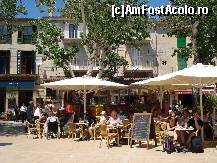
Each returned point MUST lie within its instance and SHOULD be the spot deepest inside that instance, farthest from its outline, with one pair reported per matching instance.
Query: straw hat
(103, 113)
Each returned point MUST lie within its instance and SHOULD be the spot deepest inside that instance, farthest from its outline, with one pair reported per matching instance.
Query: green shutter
(181, 62)
(181, 43)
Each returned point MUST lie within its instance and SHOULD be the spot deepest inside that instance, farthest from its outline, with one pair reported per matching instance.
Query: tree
(201, 29)
(101, 32)
(10, 8)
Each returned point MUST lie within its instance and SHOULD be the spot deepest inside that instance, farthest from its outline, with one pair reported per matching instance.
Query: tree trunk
(101, 59)
(194, 42)
(85, 32)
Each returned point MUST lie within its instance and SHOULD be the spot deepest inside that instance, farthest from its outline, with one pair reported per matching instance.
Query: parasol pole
(201, 109)
(213, 116)
(161, 98)
(85, 100)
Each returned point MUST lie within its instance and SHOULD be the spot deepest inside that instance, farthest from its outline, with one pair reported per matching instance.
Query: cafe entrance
(2, 99)
(25, 96)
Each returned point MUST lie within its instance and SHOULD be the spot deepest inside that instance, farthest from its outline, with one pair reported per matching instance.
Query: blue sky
(34, 12)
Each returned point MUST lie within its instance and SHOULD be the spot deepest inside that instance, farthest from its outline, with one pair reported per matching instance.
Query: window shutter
(33, 62)
(181, 41)
(18, 62)
(20, 37)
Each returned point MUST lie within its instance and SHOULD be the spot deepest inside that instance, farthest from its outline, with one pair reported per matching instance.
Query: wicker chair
(73, 131)
(160, 129)
(31, 129)
(214, 131)
(107, 135)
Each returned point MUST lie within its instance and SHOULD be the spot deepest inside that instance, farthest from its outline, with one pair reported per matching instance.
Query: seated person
(122, 116)
(182, 121)
(114, 119)
(89, 118)
(52, 123)
(197, 124)
(171, 124)
(103, 119)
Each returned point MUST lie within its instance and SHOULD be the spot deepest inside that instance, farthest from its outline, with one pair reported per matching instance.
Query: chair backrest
(163, 126)
(125, 122)
(215, 130)
(157, 127)
(71, 126)
(103, 130)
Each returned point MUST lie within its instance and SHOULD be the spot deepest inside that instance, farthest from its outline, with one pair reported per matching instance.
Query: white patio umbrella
(197, 76)
(83, 84)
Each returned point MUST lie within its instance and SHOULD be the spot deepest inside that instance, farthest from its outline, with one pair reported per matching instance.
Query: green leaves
(107, 32)
(10, 8)
(205, 39)
(48, 42)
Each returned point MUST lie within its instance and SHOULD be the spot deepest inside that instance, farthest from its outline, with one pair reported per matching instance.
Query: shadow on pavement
(5, 144)
(12, 129)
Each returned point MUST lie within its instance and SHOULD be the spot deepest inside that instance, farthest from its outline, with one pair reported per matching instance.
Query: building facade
(22, 69)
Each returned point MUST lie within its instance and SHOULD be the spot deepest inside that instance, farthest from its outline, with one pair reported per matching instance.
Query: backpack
(197, 145)
(168, 145)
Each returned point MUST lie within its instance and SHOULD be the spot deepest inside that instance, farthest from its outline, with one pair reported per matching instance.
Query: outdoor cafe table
(82, 125)
(184, 129)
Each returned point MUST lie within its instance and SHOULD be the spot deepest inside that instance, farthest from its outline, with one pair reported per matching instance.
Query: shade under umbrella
(83, 84)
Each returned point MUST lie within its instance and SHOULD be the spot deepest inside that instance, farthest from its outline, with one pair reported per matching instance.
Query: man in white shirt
(37, 112)
(23, 114)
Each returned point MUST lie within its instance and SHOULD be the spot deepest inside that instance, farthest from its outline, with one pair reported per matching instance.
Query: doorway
(2, 99)
(24, 97)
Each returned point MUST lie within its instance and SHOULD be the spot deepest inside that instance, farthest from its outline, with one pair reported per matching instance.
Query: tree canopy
(101, 34)
(202, 30)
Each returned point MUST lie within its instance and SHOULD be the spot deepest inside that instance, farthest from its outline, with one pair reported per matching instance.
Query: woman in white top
(37, 112)
(114, 120)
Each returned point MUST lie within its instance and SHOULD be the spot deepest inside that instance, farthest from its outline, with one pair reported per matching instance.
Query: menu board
(141, 126)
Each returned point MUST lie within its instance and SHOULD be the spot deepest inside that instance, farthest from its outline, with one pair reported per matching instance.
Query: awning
(189, 91)
(16, 84)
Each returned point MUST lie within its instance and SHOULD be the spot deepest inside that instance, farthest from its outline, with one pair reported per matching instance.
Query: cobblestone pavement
(20, 149)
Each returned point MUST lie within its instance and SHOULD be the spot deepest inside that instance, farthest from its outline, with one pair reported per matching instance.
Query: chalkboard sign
(141, 127)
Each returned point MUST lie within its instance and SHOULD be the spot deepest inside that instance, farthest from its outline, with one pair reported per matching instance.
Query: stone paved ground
(19, 149)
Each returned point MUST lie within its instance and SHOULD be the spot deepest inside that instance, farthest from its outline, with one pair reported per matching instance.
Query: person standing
(23, 114)
(30, 111)
(37, 112)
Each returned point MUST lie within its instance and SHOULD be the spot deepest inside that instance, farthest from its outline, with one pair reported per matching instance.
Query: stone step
(8, 128)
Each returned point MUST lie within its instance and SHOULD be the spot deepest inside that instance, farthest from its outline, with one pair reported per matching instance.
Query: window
(4, 62)
(26, 62)
(136, 57)
(73, 31)
(5, 34)
(25, 35)
(50, 93)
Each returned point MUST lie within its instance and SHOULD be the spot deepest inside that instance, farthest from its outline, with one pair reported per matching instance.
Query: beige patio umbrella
(83, 84)
(196, 76)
